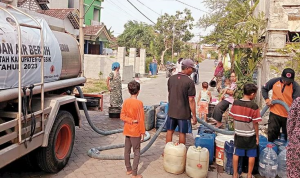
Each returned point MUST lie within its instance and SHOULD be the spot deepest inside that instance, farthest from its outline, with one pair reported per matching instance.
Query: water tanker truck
(39, 69)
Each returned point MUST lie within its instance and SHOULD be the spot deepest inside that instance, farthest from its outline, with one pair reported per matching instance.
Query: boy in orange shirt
(134, 128)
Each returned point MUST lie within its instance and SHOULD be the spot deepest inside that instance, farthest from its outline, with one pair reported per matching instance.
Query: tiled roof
(92, 30)
(41, 3)
(20, 2)
(57, 13)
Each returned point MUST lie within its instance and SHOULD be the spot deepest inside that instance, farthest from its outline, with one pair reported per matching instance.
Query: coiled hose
(95, 152)
(102, 132)
(227, 132)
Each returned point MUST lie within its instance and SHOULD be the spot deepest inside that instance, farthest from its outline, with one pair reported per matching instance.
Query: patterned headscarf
(115, 65)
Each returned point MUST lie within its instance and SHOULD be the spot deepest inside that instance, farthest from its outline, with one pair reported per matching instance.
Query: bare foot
(137, 176)
(235, 175)
(128, 172)
(219, 125)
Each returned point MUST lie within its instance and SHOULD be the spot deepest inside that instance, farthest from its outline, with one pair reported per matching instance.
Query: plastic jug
(280, 141)
(206, 141)
(263, 145)
(197, 162)
(228, 158)
(203, 129)
(282, 147)
(268, 162)
(262, 139)
(174, 158)
(282, 164)
(160, 118)
(149, 117)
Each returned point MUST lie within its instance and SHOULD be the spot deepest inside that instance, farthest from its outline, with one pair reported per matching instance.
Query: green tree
(137, 35)
(236, 29)
(173, 30)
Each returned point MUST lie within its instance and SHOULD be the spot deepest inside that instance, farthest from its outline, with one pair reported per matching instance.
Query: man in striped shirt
(246, 117)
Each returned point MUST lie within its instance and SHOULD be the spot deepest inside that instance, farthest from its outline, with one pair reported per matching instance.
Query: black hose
(95, 152)
(264, 110)
(227, 132)
(102, 132)
(222, 131)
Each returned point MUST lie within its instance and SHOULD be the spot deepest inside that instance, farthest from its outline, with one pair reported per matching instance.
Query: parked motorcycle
(170, 69)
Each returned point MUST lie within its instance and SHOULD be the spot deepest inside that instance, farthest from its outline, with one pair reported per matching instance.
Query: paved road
(151, 163)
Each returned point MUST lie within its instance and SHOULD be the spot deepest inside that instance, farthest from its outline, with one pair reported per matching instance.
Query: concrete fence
(99, 66)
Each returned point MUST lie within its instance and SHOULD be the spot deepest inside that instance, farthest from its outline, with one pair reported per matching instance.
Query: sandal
(128, 172)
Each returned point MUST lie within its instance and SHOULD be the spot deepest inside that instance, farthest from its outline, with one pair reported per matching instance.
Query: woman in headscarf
(219, 74)
(293, 148)
(114, 85)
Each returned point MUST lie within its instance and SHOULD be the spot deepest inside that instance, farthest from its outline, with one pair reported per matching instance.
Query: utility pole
(173, 44)
(81, 35)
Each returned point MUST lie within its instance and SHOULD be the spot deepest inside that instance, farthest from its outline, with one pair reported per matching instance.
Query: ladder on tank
(20, 116)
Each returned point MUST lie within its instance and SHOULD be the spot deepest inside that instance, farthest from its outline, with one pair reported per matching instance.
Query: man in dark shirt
(182, 94)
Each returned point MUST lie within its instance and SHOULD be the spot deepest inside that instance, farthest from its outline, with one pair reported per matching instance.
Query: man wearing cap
(284, 89)
(182, 94)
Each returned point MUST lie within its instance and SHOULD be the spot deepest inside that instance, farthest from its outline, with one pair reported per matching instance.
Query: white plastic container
(197, 162)
(220, 141)
(174, 158)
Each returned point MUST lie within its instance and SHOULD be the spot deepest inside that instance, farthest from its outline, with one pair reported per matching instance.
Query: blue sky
(116, 13)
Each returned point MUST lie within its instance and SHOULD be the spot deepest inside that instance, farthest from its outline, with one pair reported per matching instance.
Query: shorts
(243, 152)
(203, 109)
(183, 124)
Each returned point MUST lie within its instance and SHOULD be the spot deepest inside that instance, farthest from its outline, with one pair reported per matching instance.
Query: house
(95, 36)
(93, 13)
(33, 4)
(69, 16)
(91, 7)
(95, 32)
(283, 19)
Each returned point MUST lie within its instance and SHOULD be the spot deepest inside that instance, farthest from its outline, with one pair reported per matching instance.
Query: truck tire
(55, 156)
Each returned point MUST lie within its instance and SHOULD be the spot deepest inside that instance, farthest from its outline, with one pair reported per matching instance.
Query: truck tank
(70, 55)
(62, 59)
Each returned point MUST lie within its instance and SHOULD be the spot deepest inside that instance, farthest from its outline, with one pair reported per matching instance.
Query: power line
(141, 12)
(148, 7)
(121, 8)
(190, 6)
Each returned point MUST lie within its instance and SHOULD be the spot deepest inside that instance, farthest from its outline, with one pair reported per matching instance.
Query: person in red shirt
(246, 138)
(134, 128)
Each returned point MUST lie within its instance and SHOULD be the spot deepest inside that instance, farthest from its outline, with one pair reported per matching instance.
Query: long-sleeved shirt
(133, 109)
(286, 93)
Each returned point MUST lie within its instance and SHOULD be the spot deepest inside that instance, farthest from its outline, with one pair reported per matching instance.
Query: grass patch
(94, 86)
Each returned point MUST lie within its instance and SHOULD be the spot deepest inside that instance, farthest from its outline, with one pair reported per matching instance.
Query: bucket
(114, 112)
(220, 142)
(212, 83)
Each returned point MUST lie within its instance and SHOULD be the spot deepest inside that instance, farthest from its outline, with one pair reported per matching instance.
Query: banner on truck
(31, 45)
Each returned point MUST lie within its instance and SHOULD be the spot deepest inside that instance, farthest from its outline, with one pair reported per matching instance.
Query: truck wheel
(55, 156)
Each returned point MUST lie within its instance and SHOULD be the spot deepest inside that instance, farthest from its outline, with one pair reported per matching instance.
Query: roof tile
(57, 13)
